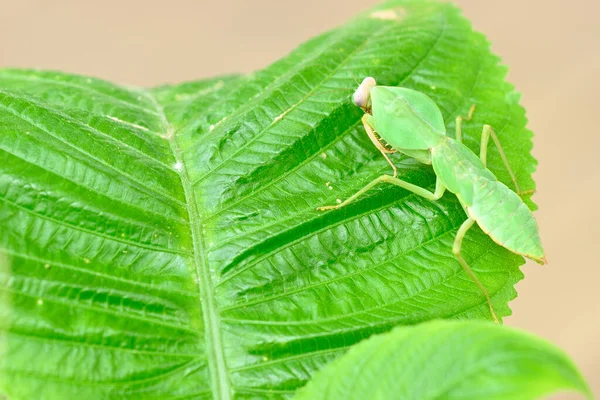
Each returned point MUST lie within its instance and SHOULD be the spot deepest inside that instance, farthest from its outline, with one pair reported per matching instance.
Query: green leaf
(165, 243)
(448, 360)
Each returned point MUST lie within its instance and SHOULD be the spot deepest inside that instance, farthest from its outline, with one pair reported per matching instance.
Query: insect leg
(485, 137)
(459, 121)
(377, 143)
(439, 190)
(462, 231)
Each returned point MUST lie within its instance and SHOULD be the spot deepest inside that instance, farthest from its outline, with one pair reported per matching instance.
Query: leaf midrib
(220, 385)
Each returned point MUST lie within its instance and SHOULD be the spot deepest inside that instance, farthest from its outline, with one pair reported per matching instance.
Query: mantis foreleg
(462, 231)
(439, 190)
(377, 143)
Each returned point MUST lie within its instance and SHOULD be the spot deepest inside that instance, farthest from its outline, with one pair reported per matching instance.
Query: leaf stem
(221, 386)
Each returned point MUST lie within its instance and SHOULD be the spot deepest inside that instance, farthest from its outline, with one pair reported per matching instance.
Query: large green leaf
(448, 360)
(165, 244)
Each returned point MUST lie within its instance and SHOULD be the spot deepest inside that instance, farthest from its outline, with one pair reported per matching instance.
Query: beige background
(552, 47)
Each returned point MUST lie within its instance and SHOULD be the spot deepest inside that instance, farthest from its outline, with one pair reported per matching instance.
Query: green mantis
(411, 123)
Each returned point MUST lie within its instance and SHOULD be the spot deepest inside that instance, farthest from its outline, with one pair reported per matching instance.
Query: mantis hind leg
(373, 136)
(485, 137)
(462, 231)
(459, 121)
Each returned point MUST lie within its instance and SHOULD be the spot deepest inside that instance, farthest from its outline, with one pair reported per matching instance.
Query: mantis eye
(362, 95)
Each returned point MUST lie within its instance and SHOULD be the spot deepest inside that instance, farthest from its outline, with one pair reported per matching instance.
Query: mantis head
(362, 95)
(406, 119)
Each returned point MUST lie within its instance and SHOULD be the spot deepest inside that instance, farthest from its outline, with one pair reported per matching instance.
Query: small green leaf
(447, 360)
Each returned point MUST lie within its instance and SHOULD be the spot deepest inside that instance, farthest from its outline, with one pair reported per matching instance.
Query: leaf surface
(448, 360)
(165, 243)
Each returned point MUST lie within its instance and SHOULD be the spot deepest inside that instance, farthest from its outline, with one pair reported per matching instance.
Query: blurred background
(552, 48)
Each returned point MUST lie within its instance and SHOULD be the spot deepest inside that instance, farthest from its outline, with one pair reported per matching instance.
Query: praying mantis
(411, 123)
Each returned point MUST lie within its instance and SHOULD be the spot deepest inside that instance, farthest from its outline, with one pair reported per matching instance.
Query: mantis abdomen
(498, 211)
